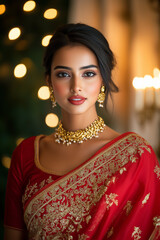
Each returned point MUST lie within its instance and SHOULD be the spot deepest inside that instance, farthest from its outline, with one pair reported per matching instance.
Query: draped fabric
(113, 195)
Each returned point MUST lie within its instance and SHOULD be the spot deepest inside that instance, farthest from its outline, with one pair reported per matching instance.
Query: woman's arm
(14, 234)
(14, 226)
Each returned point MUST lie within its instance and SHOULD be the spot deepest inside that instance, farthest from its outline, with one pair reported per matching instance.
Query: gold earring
(53, 100)
(101, 96)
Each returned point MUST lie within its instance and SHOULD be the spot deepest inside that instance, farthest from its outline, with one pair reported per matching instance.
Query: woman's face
(76, 79)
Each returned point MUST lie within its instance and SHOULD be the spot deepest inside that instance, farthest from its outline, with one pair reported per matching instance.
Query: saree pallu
(113, 195)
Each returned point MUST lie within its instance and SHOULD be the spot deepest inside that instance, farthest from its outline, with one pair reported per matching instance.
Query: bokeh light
(19, 140)
(51, 120)
(50, 13)
(29, 6)
(148, 81)
(156, 83)
(14, 33)
(45, 40)
(20, 70)
(2, 9)
(6, 161)
(43, 93)
(138, 83)
(156, 72)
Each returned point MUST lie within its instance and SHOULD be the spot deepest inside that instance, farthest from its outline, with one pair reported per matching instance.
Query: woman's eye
(89, 74)
(62, 75)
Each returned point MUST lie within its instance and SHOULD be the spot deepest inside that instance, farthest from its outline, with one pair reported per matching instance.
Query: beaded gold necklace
(78, 136)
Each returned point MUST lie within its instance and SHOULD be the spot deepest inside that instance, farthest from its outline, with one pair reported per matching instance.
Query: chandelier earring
(53, 100)
(101, 96)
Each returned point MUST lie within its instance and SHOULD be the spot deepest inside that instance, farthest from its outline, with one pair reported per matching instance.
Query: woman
(86, 181)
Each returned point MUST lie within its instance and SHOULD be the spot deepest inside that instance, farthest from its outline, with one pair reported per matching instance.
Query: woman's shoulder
(134, 137)
(136, 144)
(23, 155)
(26, 147)
(128, 140)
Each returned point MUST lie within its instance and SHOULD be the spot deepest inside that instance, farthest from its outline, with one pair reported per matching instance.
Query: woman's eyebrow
(81, 68)
(62, 67)
(89, 66)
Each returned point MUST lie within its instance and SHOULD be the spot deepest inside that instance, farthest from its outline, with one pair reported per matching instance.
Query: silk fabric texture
(113, 195)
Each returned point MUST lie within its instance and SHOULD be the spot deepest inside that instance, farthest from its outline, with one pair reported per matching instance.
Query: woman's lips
(76, 100)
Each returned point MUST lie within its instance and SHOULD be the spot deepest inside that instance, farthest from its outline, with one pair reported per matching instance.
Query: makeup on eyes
(81, 68)
(61, 73)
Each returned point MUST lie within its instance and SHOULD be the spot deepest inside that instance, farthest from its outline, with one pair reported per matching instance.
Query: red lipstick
(76, 100)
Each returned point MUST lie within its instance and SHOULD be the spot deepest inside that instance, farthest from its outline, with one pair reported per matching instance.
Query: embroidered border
(65, 205)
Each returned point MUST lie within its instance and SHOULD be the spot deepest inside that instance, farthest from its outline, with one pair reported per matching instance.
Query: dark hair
(73, 34)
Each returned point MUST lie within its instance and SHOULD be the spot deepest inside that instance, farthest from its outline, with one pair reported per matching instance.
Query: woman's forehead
(74, 55)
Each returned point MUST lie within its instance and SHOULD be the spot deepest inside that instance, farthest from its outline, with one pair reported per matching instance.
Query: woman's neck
(73, 122)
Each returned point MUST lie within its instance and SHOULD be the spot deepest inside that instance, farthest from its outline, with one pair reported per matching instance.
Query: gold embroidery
(113, 180)
(110, 199)
(32, 189)
(128, 207)
(88, 219)
(58, 236)
(82, 237)
(122, 170)
(65, 206)
(136, 233)
(145, 200)
(156, 221)
(110, 232)
(157, 171)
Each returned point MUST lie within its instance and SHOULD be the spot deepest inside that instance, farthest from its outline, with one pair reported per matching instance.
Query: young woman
(85, 181)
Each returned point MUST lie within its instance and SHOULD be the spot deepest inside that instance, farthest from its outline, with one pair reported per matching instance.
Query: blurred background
(133, 31)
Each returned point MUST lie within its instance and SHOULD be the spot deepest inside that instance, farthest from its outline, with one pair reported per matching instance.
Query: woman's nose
(76, 84)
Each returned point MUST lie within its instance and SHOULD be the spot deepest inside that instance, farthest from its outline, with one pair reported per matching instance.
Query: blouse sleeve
(13, 202)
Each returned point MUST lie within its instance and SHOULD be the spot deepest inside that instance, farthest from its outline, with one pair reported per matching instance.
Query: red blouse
(114, 194)
(22, 171)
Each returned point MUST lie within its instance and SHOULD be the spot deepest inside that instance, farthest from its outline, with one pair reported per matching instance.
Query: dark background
(22, 114)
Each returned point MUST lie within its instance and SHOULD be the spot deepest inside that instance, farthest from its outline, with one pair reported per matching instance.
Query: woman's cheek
(59, 89)
(95, 88)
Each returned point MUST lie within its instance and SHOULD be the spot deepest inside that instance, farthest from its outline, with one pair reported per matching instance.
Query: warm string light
(43, 93)
(45, 40)
(29, 6)
(51, 120)
(2, 9)
(6, 161)
(19, 140)
(14, 33)
(20, 70)
(50, 13)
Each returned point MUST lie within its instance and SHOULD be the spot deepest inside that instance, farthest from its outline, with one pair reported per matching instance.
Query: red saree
(113, 195)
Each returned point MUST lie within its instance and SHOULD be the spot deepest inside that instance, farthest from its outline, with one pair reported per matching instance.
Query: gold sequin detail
(122, 170)
(145, 200)
(136, 233)
(128, 207)
(111, 199)
(82, 237)
(156, 221)
(110, 232)
(157, 171)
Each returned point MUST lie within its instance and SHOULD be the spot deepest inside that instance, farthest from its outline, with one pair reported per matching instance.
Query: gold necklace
(78, 136)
